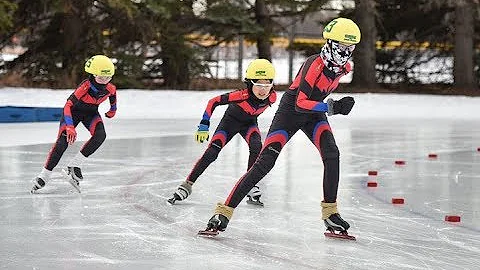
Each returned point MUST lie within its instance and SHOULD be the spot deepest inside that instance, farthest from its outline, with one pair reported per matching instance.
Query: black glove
(342, 106)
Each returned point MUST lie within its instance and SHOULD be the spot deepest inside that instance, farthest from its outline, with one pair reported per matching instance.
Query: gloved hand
(110, 114)
(220, 219)
(71, 134)
(202, 133)
(342, 106)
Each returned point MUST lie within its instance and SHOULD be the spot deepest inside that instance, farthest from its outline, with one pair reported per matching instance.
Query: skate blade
(252, 202)
(207, 233)
(345, 236)
(71, 180)
(171, 201)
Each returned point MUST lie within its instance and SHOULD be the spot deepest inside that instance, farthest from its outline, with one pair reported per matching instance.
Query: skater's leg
(217, 142)
(57, 150)
(225, 131)
(322, 137)
(284, 126)
(54, 156)
(97, 131)
(223, 134)
(263, 165)
(254, 141)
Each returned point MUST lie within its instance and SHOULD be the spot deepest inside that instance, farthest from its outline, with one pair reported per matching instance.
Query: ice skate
(182, 192)
(73, 175)
(38, 183)
(219, 221)
(212, 226)
(254, 196)
(334, 222)
(41, 180)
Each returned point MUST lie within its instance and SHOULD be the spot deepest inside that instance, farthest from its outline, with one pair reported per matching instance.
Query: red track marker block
(398, 201)
(452, 218)
(399, 162)
(372, 173)
(372, 184)
(432, 155)
(478, 149)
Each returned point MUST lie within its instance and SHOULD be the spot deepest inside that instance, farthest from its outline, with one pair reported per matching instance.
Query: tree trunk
(263, 39)
(463, 63)
(364, 74)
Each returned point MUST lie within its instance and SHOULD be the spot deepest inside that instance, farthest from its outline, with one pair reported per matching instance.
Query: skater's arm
(81, 90)
(113, 100)
(223, 99)
(310, 72)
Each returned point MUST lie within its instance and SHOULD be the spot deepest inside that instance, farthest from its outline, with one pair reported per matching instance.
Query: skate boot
(73, 175)
(254, 196)
(182, 192)
(334, 222)
(41, 180)
(38, 183)
(219, 220)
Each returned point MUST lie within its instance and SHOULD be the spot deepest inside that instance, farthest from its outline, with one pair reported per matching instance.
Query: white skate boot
(41, 180)
(254, 196)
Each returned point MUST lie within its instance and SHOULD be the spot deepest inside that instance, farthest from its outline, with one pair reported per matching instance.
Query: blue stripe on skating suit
(206, 116)
(113, 107)
(280, 136)
(95, 90)
(68, 120)
(321, 107)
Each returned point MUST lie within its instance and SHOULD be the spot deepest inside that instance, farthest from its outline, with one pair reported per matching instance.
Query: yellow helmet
(100, 65)
(342, 30)
(260, 69)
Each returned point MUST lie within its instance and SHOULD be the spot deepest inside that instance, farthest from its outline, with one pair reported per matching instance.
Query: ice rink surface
(121, 219)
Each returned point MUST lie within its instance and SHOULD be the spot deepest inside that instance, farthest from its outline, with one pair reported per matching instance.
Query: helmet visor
(264, 85)
(102, 79)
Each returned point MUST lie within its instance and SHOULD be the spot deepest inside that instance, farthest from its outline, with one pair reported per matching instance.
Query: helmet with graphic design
(342, 30)
(260, 69)
(342, 35)
(100, 65)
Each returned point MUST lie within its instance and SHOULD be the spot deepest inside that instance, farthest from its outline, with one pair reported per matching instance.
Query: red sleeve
(235, 96)
(81, 90)
(311, 70)
(113, 96)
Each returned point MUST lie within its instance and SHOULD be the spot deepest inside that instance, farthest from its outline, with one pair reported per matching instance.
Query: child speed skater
(244, 107)
(82, 107)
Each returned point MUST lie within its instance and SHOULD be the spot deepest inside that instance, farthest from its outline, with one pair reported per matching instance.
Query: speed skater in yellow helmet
(259, 78)
(100, 65)
(342, 35)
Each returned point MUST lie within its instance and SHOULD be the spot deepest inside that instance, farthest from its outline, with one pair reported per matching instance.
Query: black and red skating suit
(240, 117)
(82, 106)
(301, 108)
